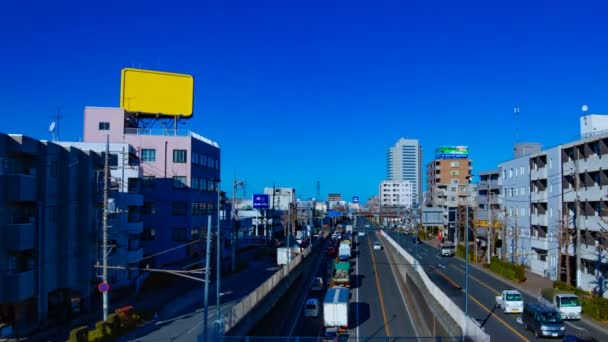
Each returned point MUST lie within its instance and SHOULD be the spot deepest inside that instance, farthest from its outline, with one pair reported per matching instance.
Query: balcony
(20, 237)
(538, 219)
(17, 287)
(133, 227)
(539, 243)
(135, 255)
(540, 196)
(18, 188)
(538, 173)
(593, 223)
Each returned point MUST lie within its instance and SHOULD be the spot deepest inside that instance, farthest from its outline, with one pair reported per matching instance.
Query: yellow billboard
(154, 93)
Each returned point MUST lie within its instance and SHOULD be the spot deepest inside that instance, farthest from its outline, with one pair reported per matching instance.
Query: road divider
(439, 301)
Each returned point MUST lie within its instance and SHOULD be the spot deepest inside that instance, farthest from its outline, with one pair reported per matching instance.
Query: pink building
(180, 172)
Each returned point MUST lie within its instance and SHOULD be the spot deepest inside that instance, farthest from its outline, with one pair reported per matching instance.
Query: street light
(466, 257)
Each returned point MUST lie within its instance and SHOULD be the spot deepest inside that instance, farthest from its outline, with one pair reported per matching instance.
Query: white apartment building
(404, 163)
(396, 193)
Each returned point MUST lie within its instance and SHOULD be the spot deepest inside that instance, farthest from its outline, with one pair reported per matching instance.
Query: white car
(511, 301)
(367, 226)
(311, 308)
(377, 245)
(361, 233)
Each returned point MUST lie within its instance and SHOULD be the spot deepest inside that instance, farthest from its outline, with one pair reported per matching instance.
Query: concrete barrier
(246, 312)
(474, 331)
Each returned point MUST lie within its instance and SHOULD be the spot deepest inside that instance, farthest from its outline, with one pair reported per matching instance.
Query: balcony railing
(169, 132)
(20, 237)
(17, 287)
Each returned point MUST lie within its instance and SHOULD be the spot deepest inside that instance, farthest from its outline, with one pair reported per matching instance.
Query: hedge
(508, 270)
(118, 323)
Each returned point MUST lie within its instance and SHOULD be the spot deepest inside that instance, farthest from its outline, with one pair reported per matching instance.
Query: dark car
(330, 251)
(543, 320)
(416, 240)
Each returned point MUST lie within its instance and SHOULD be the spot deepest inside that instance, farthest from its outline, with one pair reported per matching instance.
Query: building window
(504, 174)
(179, 156)
(178, 208)
(149, 208)
(104, 126)
(178, 234)
(148, 154)
(454, 164)
(195, 183)
(179, 182)
(195, 233)
(199, 208)
(195, 158)
(454, 173)
(511, 173)
(148, 181)
(149, 233)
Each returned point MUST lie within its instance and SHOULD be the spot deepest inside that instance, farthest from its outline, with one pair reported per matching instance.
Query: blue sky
(300, 91)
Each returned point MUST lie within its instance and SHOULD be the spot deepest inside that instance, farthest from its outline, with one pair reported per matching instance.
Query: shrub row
(508, 270)
(118, 324)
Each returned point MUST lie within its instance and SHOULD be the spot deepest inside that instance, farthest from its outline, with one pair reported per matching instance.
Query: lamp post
(466, 257)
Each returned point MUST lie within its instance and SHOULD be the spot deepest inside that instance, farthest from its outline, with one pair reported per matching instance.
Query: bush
(102, 333)
(80, 334)
(460, 251)
(508, 270)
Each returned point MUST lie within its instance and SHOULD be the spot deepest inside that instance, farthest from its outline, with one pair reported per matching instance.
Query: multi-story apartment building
(396, 193)
(49, 205)
(404, 162)
(489, 204)
(334, 197)
(179, 179)
(445, 171)
(125, 224)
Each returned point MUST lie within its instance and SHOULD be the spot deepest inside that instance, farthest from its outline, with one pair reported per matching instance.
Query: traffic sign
(103, 287)
(260, 201)
(355, 199)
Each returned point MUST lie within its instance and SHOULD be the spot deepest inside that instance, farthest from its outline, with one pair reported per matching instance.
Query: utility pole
(504, 236)
(489, 247)
(234, 234)
(466, 257)
(218, 317)
(104, 276)
(207, 272)
(578, 219)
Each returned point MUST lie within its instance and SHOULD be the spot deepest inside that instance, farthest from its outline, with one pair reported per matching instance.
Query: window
(195, 233)
(195, 183)
(148, 181)
(550, 162)
(511, 173)
(149, 208)
(550, 187)
(195, 158)
(454, 164)
(178, 208)
(104, 126)
(454, 173)
(504, 174)
(199, 208)
(522, 171)
(179, 182)
(179, 156)
(515, 172)
(148, 154)
(178, 234)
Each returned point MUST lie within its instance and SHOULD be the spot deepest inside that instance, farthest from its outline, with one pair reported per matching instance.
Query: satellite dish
(52, 126)
(584, 108)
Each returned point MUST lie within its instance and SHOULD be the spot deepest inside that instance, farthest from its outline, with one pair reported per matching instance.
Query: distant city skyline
(296, 94)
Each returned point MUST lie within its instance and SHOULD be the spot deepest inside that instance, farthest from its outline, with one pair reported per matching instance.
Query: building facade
(49, 210)
(179, 179)
(489, 205)
(404, 162)
(396, 193)
(445, 171)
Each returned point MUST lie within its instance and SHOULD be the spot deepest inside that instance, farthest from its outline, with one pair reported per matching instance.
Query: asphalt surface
(377, 308)
(448, 273)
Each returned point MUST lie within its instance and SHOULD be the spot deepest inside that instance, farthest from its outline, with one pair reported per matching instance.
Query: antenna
(516, 112)
(52, 130)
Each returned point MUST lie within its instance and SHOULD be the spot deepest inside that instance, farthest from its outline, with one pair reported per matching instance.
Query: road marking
(453, 283)
(386, 329)
(442, 266)
(523, 338)
(479, 281)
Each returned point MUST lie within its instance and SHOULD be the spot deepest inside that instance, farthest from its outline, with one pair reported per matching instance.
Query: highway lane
(449, 272)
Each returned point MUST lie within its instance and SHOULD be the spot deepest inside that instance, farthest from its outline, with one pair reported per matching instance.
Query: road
(449, 274)
(377, 308)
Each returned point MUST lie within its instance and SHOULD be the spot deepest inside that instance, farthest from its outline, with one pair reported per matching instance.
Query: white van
(448, 250)
(311, 308)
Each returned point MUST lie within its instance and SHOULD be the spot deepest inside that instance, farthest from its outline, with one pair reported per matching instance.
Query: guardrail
(474, 331)
(248, 303)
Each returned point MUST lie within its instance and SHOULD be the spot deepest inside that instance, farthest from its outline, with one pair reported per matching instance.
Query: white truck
(511, 301)
(344, 251)
(335, 311)
(283, 254)
(568, 305)
(349, 228)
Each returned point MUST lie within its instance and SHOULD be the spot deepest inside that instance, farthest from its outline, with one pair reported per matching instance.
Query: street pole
(466, 276)
(489, 247)
(104, 276)
(578, 220)
(207, 271)
(220, 326)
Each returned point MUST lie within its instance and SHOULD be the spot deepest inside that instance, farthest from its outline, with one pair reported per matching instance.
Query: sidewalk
(532, 286)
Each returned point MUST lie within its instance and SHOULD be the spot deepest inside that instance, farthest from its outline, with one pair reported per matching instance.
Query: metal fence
(346, 339)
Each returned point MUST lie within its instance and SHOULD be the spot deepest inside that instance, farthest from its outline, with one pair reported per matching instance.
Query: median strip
(386, 328)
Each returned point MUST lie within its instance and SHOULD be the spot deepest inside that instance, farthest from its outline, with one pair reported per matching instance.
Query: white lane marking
(440, 265)
(574, 326)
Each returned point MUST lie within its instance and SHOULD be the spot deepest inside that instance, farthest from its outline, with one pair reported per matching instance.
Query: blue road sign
(355, 199)
(260, 201)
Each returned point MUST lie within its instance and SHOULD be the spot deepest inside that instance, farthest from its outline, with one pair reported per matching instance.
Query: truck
(344, 251)
(511, 301)
(335, 311)
(341, 276)
(567, 304)
(283, 254)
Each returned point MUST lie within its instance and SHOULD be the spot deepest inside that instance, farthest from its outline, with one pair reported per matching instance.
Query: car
(377, 245)
(448, 250)
(317, 284)
(311, 308)
(367, 226)
(542, 320)
(361, 234)
(330, 251)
